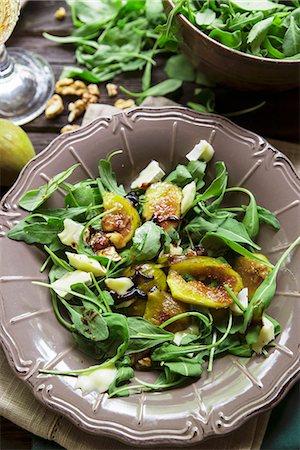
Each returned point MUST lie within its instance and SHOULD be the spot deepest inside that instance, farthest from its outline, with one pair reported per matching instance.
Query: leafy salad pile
(164, 277)
(266, 28)
(121, 36)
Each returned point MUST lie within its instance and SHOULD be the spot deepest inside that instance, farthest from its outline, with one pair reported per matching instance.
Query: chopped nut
(91, 94)
(89, 98)
(93, 89)
(67, 86)
(54, 106)
(67, 128)
(76, 109)
(124, 104)
(144, 363)
(60, 13)
(112, 89)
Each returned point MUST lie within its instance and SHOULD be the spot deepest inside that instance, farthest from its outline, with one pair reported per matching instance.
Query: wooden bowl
(232, 67)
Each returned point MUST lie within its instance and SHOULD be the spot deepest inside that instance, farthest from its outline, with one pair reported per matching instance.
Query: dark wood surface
(278, 119)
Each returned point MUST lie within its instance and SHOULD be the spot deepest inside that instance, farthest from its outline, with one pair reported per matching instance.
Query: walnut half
(54, 106)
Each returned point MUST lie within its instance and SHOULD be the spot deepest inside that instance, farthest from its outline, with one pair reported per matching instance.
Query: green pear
(16, 150)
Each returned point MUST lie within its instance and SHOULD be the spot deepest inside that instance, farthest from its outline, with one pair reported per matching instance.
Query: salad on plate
(165, 276)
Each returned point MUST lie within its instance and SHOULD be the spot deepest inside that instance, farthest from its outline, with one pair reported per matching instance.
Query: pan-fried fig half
(161, 307)
(201, 280)
(162, 204)
(252, 272)
(121, 223)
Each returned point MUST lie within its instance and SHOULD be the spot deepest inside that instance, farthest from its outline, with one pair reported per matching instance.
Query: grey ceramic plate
(32, 338)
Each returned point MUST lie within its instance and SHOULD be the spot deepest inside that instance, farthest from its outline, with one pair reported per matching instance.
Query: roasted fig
(201, 280)
(121, 223)
(252, 272)
(161, 307)
(162, 204)
(147, 276)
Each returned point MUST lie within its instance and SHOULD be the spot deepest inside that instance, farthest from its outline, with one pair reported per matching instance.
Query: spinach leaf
(197, 171)
(35, 198)
(33, 232)
(143, 335)
(230, 39)
(179, 67)
(258, 33)
(180, 176)
(291, 40)
(215, 241)
(187, 368)
(118, 340)
(160, 89)
(146, 242)
(218, 185)
(124, 374)
(87, 322)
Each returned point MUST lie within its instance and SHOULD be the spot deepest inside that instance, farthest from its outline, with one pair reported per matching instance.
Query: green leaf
(160, 89)
(291, 40)
(268, 217)
(205, 18)
(180, 176)
(143, 335)
(256, 5)
(180, 68)
(108, 178)
(266, 291)
(214, 241)
(87, 11)
(258, 33)
(35, 198)
(146, 242)
(76, 72)
(87, 322)
(187, 369)
(42, 232)
(232, 40)
(218, 185)
(124, 374)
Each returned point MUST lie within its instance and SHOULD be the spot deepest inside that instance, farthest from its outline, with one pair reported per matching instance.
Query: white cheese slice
(86, 264)
(179, 335)
(120, 285)
(243, 299)
(151, 174)
(63, 284)
(203, 150)
(188, 196)
(71, 233)
(176, 250)
(265, 336)
(98, 380)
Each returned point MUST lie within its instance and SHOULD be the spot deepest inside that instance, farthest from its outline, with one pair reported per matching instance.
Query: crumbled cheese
(71, 233)
(203, 150)
(63, 284)
(243, 299)
(151, 174)
(86, 264)
(265, 336)
(120, 285)
(98, 380)
(188, 196)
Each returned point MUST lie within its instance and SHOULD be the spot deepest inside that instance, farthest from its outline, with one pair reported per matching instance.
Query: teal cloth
(283, 432)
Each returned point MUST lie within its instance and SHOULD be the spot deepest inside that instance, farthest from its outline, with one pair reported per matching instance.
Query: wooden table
(278, 119)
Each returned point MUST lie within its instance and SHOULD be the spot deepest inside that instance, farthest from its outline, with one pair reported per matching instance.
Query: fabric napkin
(16, 399)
